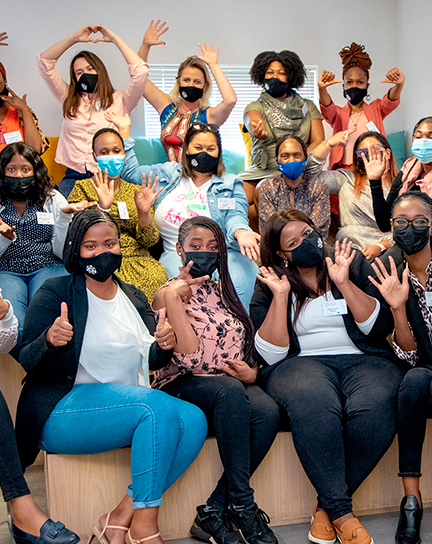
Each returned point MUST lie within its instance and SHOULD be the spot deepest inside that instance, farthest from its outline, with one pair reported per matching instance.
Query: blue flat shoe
(50, 533)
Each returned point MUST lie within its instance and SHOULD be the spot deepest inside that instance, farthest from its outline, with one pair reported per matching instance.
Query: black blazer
(51, 372)
(374, 343)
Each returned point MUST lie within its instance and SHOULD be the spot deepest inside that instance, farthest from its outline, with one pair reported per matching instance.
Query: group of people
(90, 308)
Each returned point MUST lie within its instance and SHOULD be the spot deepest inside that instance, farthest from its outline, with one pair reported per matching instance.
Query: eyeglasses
(361, 152)
(419, 223)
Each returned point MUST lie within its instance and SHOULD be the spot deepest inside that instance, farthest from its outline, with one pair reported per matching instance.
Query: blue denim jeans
(68, 181)
(165, 433)
(19, 289)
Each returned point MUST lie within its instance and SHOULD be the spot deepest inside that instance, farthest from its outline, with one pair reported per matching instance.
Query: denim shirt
(170, 174)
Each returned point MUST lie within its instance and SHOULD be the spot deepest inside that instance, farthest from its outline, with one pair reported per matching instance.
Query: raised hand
(154, 32)
(7, 231)
(326, 79)
(146, 195)
(61, 331)
(78, 206)
(240, 370)
(209, 55)
(277, 285)
(185, 271)
(104, 187)
(182, 288)
(394, 76)
(121, 122)
(164, 334)
(394, 292)
(107, 34)
(259, 130)
(377, 164)
(84, 33)
(339, 269)
(3, 38)
(248, 242)
(15, 101)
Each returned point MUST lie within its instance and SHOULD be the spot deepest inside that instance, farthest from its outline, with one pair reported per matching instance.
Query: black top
(374, 343)
(51, 372)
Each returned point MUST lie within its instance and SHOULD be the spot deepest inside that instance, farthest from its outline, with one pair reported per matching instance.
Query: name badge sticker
(335, 307)
(226, 203)
(428, 297)
(372, 127)
(12, 137)
(122, 210)
(45, 218)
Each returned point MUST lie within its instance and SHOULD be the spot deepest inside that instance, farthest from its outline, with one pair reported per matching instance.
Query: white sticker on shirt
(428, 297)
(12, 137)
(45, 218)
(305, 109)
(122, 210)
(372, 127)
(335, 307)
(226, 203)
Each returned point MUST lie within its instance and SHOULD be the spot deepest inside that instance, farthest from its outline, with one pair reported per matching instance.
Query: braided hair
(79, 225)
(229, 295)
(355, 55)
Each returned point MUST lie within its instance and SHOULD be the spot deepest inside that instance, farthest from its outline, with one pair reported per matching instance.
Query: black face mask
(204, 262)
(19, 188)
(355, 95)
(275, 87)
(3, 92)
(410, 240)
(191, 94)
(101, 267)
(310, 252)
(202, 162)
(86, 83)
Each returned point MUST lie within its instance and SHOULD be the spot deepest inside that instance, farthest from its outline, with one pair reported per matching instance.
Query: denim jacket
(170, 174)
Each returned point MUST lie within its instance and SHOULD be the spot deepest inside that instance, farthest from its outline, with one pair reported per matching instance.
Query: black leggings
(12, 482)
(245, 422)
(342, 411)
(414, 402)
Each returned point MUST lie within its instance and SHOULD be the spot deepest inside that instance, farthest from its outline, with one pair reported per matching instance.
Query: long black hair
(229, 295)
(293, 66)
(79, 225)
(43, 186)
(270, 247)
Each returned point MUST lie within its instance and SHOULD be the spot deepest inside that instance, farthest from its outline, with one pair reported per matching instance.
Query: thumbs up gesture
(61, 331)
(164, 334)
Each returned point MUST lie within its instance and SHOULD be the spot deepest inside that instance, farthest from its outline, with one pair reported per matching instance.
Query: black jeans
(414, 401)
(245, 422)
(12, 482)
(342, 412)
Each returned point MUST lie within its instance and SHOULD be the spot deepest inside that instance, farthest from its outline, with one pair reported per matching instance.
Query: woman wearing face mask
(199, 186)
(87, 97)
(356, 113)
(17, 121)
(87, 337)
(131, 206)
(34, 218)
(213, 366)
(321, 333)
(406, 289)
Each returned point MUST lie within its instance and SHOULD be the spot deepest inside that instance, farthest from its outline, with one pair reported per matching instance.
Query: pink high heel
(99, 533)
(130, 540)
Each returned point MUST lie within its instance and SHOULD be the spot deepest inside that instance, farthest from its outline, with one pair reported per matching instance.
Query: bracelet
(108, 210)
(381, 246)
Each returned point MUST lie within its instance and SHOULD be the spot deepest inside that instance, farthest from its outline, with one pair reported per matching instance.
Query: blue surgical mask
(292, 170)
(112, 163)
(422, 149)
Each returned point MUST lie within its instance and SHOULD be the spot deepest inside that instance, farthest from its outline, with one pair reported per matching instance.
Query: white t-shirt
(186, 200)
(116, 343)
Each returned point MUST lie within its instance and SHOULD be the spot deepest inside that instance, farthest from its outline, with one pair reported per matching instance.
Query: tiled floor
(382, 527)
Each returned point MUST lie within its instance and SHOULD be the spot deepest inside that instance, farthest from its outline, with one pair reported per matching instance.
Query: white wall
(316, 29)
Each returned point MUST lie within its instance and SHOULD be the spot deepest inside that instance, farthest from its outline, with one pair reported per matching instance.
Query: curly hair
(355, 55)
(294, 67)
(43, 187)
(193, 62)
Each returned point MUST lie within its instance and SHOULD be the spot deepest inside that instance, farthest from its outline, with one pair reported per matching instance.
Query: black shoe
(252, 524)
(213, 525)
(408, 530)
(50, 533)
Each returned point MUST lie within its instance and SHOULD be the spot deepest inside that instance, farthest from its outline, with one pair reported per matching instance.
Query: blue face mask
(292, 170)
(422, 149)
(112, 163)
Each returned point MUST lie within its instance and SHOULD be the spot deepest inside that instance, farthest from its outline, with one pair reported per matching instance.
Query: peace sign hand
(394, 292)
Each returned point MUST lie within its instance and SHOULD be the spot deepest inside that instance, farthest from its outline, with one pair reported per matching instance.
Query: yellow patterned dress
(138, 267)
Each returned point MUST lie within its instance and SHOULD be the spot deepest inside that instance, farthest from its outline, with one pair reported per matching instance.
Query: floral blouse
(220, 335)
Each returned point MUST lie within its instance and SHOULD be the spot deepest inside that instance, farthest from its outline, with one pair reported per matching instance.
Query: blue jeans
(19, 289)
(242, 271)
(165, 433)
(71, 176)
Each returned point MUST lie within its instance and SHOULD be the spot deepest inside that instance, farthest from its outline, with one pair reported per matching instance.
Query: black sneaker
(213, 525)
(252, 524)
